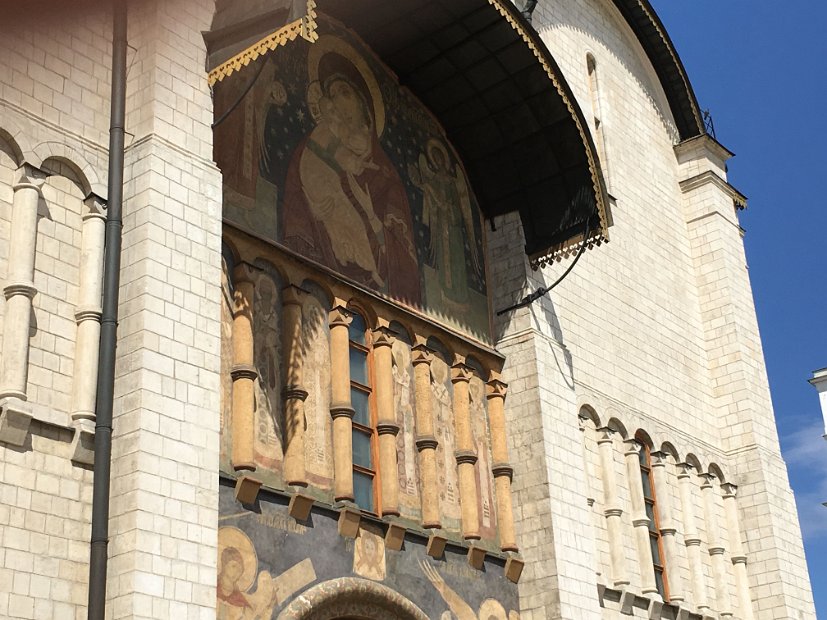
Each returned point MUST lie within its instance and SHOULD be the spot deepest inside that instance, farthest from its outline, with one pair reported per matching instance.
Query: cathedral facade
(427, 310)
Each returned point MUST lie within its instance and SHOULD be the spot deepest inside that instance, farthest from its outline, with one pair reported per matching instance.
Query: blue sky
(759, 67)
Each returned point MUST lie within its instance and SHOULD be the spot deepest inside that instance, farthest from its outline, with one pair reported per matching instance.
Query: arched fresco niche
(226, 399)
(316, 352)
(267, 303)
(342, 165)
(405, 406)
(482, 446)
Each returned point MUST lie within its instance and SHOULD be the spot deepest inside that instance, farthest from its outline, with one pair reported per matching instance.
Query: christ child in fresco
(345, 204)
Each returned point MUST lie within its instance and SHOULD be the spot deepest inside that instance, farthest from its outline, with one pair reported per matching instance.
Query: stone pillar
(739, 558)
(341, 409)
(466, 455)
(426, 442)
(639, 519)
(667, 527)
(611, 508)
(386, 427)
(501, 467)
(293, 392)
(19, 289)
(244, 371)
(88, 315)
(692, 540)
(715, 545)
(586, 426)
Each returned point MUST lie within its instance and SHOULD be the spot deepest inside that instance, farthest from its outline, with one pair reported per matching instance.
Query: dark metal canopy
(492, 83)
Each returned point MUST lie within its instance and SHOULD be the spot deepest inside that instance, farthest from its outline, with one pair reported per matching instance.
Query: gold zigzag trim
(562, 250)
(304, 27)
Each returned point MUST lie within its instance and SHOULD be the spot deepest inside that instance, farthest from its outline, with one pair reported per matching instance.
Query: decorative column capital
(730, 490)
(244, 272)
(496, 387)
(29, 177)
(605, 435)
(460, 372)
(685, 470)
(631, 447)
(659, 458)
(292, 295)
(420, 354)
(706, 480)
(383, 335)
(95, 207)
(339, 316)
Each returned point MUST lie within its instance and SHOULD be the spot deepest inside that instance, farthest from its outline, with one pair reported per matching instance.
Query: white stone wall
(639, 337)
(642, 330)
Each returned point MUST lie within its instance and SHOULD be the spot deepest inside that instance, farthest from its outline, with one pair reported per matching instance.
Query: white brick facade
(654, 331)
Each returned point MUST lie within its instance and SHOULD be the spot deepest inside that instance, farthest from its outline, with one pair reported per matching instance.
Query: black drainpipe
(109, 322)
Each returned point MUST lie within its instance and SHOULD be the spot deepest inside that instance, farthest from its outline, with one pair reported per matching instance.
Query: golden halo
(233, 537)
(329, 43)
(492, 609)
(435, 144)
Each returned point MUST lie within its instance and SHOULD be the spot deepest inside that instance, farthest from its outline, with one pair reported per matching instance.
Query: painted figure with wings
(453, 250)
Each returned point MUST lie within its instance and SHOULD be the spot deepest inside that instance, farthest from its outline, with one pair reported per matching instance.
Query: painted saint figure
(448, 215)
(345, 204)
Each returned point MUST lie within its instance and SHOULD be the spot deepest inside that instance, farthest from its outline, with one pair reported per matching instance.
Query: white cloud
(805, 452)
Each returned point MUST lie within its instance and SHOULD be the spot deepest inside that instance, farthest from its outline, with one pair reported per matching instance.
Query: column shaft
(667, 527)
(341, 408)
(293, 393)
(386, 415)
(19, 289)
(716, 548)
(739, 558)
(88, 315)
(640, 520)
(466, 454)
(426, 442)
(501, 468)
(244, 372)
(692, 540)
(612, 509)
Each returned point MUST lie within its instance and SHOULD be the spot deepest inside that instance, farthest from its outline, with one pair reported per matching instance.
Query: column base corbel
(350, 518)
(476, 557)
(395, 536)
(15, 420)
(300, 506)
(246, 489)
(514, 568)
(436, 545)
(83, 446)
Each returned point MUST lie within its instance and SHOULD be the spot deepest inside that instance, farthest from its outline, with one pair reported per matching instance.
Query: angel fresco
(238, 569)
(448, 214)
(490, 609)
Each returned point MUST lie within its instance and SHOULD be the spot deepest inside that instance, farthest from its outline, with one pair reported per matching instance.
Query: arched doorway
(350, 598)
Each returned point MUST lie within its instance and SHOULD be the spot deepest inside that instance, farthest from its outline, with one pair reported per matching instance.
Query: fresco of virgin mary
(345, 205)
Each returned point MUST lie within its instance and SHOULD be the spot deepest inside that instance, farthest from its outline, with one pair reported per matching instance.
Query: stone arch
(320, 289)
(617, 426)
(587, 412)
(669, 449)
(694, 463)
(644, 437)
(12, 134)
(350, 597)
(715, 470)
(88, 178)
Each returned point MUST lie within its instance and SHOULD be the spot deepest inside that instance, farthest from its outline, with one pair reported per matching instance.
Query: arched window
(364, 419)
(597, 114)
(655, 538)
